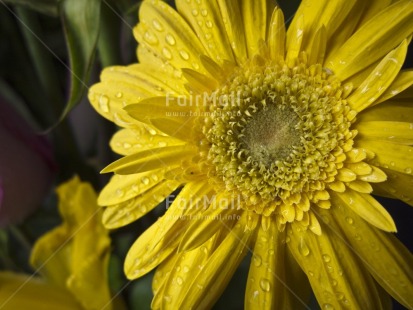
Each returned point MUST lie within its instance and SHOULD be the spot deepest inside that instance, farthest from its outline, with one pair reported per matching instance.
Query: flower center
(273, 135)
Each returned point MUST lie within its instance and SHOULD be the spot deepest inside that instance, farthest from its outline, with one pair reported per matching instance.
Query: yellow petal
(315, 14)
(159, 107)
(256, 16)
(234, 26)
(181, 128)
(389, 155)
(336, 276)
(368, 208)
(372, 41)
(403, 81)
(266, 284)
(142, 137)
(152, 159)
(388, 111)
(396, 132)
(376, 176)
(399, 185)
(388, 261)
(121, 86)
(348, 27)
(182, 273)
(160, 278)
(159, 240)
(199, 83)
(219, 269)
(360, 186)
(346, 175)
(379, 79)
(205, 18)
(219, 214)
(124, 213)
(318, 47)
(360, 168)
(167, 73)
(164, 32)
(124, 187)
(80, 247)
(276, 35)
(295, 40)
(374, 7)
(20, 291)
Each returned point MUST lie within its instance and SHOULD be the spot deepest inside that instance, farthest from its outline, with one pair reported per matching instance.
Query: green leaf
(48, 7)
(81, 23)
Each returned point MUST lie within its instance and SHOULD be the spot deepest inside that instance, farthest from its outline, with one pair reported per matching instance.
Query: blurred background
(49, 132)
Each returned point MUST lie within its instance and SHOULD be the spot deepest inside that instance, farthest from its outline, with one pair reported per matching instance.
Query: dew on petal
(170, 39)
(265, 285)
(104, 103)
(303, 247)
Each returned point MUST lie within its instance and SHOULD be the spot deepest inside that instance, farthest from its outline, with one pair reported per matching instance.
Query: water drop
(375, 246)
(265, 285)
(393, 271)
(349, 220)
(186, 269)
(330, 269)
(340, 296)
(357, 237)
(150, 38)
(179, 280)
(326, 258)
(204, 12)
(303, 248)
(167, 298)
(162, 144)
(334, 282)
(257, 260)
(145, 180)
(328, 307)
(167, 53)
(201, 287)
(184, 55)
(137, 261)
(104, 103)
(392, 163)
(120, 192)
(408, 170)
(195, 12)
(209, 24)
(154, 177)
(310, 273)
(157, 25)
(119, 95)
(170, 39)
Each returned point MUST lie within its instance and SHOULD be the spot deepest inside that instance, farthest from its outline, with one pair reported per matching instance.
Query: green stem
(108, 43)
(41, 57)
(20, 236)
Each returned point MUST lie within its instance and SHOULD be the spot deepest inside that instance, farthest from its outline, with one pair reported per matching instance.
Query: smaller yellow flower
(72, 259)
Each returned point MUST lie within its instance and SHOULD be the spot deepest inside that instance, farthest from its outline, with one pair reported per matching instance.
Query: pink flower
(26, 166)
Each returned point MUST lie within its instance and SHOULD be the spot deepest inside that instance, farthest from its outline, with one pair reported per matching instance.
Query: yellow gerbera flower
(277, 139)
(72, 260)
